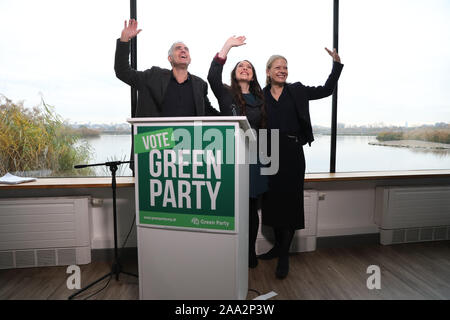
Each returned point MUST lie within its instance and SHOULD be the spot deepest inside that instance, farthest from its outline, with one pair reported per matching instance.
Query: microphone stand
(233, 109)
(116, 268)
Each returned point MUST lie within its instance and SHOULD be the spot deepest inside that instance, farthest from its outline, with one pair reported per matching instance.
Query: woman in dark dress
(243, 97)
(287, 106)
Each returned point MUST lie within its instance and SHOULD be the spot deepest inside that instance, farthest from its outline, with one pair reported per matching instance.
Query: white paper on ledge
(12, 179)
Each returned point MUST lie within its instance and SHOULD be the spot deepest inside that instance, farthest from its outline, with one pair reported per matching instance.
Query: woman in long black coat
(287, 108)
(243, 97)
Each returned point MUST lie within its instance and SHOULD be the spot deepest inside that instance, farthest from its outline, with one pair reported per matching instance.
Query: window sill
(61, 183)
(105, 182)
(376, 175)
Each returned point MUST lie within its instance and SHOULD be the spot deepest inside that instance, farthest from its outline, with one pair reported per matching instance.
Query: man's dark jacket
(152, 84)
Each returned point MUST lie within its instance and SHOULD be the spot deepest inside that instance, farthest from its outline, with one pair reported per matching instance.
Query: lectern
(192, 184)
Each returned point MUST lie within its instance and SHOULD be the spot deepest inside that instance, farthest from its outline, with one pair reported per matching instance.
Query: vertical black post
(133, 61)
(133, 15)
(335, 93)
(116, 265)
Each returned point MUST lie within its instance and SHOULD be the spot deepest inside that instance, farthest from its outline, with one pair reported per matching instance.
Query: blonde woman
(287, 107)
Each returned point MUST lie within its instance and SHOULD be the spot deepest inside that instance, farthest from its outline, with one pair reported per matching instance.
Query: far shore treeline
(439, 132)
(95, 130)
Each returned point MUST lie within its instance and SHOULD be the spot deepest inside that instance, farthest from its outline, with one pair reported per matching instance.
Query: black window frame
(133, 15)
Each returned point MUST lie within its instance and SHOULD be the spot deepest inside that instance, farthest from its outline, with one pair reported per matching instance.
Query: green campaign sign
(184, 177)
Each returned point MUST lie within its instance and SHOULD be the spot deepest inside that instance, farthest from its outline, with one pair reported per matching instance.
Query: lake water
(353, 154)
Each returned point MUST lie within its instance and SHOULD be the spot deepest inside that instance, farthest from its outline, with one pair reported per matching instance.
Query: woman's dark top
(249, 98)
(281, 114)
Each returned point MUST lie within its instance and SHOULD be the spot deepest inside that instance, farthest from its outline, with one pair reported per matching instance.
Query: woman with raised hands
(288, 111)
(244, 97)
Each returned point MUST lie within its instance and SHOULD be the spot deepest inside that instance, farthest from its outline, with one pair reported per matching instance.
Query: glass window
(59, 56)
(298, 30)
(394, 97)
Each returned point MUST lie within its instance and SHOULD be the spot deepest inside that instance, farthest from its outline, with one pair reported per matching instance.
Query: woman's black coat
(282, 205)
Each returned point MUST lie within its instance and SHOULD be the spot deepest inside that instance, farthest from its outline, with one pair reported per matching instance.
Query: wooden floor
(408, 271)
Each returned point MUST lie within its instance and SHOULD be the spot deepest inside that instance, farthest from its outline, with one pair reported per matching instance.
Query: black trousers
(283, 239)
(253, 225)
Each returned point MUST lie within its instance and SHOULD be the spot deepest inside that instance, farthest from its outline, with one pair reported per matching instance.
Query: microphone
(233, 109)
(79, 166)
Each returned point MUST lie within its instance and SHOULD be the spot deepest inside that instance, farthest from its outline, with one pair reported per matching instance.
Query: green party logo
(154, 140)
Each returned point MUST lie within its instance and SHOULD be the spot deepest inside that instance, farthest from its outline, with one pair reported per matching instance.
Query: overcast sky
(396, 53)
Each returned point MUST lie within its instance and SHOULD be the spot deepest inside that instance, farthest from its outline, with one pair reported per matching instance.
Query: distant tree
(389, 136)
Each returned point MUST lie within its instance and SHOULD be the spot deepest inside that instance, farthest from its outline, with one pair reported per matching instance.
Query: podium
(192, 184)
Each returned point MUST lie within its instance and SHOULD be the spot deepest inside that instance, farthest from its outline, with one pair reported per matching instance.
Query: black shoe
(271, 254)
(252, 260)
(282, 267)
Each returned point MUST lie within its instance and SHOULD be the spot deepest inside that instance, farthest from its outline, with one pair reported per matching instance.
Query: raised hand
(129, 31)
(334, 55)
(230, 43)
(235, 41)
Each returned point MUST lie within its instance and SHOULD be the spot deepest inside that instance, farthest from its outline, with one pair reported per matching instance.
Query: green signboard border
(179, 220)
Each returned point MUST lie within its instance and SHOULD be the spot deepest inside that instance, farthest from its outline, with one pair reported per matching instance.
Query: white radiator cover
(413, 214)
(44, 232)
(305, 239)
